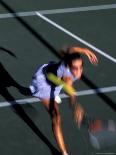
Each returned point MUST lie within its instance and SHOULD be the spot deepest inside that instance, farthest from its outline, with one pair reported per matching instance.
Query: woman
(70, 68)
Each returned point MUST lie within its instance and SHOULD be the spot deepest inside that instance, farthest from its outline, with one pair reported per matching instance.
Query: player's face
(77, 68)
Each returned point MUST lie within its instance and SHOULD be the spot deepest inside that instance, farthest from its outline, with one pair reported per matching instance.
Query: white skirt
(41, 88)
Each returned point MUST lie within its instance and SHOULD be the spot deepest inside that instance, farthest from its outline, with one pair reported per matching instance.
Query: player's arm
(77, 109)
(91, 56)
(73, 97)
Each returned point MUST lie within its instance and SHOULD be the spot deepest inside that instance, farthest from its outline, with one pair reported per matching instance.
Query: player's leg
(56, 125)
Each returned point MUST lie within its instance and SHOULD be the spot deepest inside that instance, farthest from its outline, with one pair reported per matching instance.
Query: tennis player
(69, 69)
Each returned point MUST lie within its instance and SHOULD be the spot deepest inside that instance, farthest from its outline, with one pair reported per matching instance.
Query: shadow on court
(6, 81)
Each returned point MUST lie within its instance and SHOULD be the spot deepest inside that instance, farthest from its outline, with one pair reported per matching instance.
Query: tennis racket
(78, 110)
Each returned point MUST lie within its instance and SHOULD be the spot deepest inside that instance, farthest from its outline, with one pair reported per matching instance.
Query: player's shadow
(6, 81)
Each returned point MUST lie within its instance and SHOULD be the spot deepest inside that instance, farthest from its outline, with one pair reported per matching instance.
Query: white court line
(59, 11)
(76, 37)
(105, 153)
(79, 93)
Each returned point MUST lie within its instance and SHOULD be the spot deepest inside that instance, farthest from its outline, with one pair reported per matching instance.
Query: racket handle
(57, 81)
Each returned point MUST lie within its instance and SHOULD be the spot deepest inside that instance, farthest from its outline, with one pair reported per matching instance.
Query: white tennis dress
(41, 88)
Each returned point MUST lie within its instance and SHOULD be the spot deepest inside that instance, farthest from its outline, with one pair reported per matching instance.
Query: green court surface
(26, 128)
(33, 5)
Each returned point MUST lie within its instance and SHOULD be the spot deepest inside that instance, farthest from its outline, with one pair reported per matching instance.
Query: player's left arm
(90, 54)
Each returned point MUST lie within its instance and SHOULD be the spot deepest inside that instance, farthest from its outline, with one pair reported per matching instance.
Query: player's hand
(78, 115)
(91, 56)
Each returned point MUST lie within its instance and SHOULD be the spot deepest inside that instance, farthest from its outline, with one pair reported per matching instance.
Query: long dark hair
(68, 57)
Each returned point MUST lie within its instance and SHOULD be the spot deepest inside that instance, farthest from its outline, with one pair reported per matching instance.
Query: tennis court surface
(31, 34)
